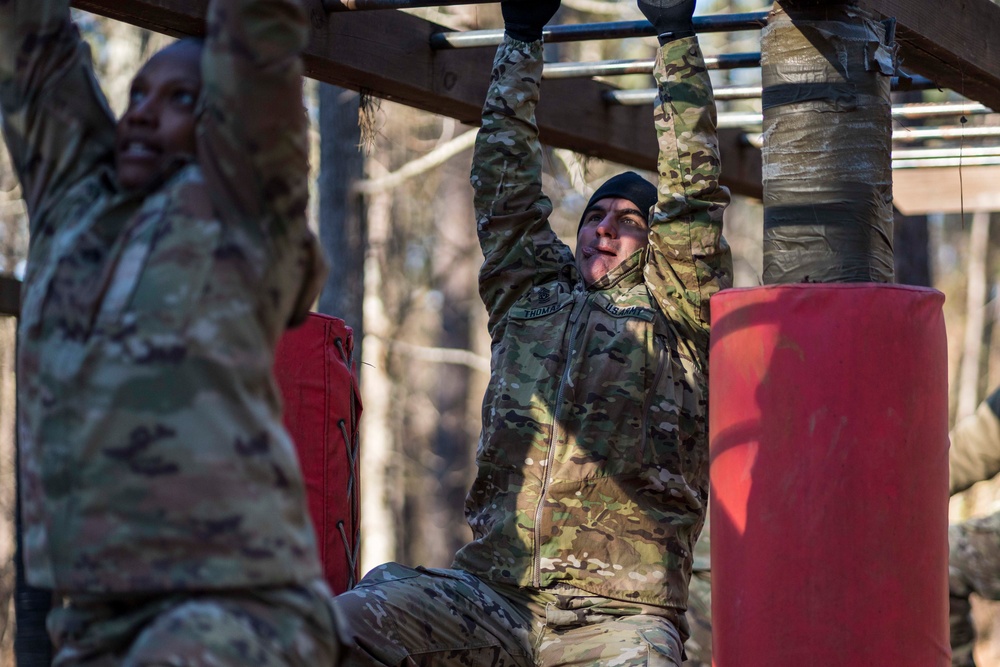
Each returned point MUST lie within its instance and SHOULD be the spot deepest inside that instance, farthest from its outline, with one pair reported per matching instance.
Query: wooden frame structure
(390, 58)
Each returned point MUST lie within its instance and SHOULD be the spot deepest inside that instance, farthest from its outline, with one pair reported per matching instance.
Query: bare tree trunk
(457, 264)
(378, 534)
(341, 211)
(975, 316)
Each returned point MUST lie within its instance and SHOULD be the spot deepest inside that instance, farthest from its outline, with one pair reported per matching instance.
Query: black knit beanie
(630, 186)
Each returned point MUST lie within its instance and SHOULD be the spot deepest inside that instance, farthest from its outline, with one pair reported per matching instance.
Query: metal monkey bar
(917, 158)
(582, 32)
(552, 34)
(727, 120)
(647, 96)
(621, 67)
(365, 5)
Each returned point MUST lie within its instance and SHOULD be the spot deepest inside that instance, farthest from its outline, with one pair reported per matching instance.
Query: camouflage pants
(287, 627)
(973, 567)
(699, 619)
(403, 616)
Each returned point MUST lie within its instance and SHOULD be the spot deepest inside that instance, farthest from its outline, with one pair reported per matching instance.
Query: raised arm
(512, 213)
(253, 135)
(689, 259)
(253, 130)
(56, 121)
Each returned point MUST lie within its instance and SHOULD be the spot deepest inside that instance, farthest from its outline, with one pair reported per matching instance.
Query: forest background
(392, 203)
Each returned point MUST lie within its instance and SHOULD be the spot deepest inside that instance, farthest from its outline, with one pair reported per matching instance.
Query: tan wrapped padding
(827, 170)
(975, 446)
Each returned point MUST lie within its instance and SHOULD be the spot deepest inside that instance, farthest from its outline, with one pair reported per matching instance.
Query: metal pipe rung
(581, 32)
(368, 5)
(730, 120)
(647, 96)
(622, 67)
(946, 153)
(947, 162)
(947, 132)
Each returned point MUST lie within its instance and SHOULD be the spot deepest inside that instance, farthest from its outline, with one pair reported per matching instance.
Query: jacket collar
(626, 275)
(171, 169)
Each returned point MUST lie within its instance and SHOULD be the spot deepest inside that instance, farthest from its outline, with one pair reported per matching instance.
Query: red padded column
(314, 372)
(829, 449)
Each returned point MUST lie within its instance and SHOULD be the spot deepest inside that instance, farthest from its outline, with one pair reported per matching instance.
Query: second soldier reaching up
(593, 459)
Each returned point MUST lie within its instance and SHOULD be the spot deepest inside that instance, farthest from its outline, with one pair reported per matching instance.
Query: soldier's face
(612, 229)
(160, 121)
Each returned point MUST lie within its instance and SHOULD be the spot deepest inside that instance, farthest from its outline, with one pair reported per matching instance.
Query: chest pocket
(615, 361)
(528, 359)
(676, 415)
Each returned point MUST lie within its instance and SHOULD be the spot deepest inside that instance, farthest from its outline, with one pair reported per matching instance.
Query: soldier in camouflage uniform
(162, 500)
(974, 558)
(593, 458)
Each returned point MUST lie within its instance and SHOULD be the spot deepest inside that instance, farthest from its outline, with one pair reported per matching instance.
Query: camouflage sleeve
(253, 131)
(512, 213)
(56, 121)
(253, 141)
(975, 446)
(689, 259)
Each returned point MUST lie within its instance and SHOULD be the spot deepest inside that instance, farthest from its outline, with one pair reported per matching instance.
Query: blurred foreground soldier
(974, 558)
(162, 500)
(593, 459)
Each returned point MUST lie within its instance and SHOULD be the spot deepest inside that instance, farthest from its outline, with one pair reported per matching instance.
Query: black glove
(671, 18)
(524, 19)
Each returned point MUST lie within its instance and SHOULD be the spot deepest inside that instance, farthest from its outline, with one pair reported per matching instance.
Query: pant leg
(286, 627)
(402, 616)
(585, 630)
(699, 618)
(973, 567)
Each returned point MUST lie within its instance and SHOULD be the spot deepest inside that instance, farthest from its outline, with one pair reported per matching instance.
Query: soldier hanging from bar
(162, 500)
(593, 459)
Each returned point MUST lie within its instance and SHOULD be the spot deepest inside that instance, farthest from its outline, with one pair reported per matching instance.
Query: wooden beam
(952, 43)
(387, 54)
(946, 190)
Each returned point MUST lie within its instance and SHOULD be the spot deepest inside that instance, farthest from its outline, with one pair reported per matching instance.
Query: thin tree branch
(414, 168)
(442, 355)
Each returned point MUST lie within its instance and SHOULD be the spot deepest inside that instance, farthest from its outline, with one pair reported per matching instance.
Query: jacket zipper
(551, 454)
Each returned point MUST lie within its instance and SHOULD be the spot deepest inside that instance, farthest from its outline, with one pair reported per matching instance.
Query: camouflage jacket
(593, 458)
(153, 455)
(975, 446)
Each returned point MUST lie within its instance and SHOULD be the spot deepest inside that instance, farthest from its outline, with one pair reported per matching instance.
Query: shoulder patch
(542, 304)
(639, 312)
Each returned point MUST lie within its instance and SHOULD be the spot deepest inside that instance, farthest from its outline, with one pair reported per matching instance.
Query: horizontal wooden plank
(179, 18)
(945, 190)
(388, 55)
(951, 43)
